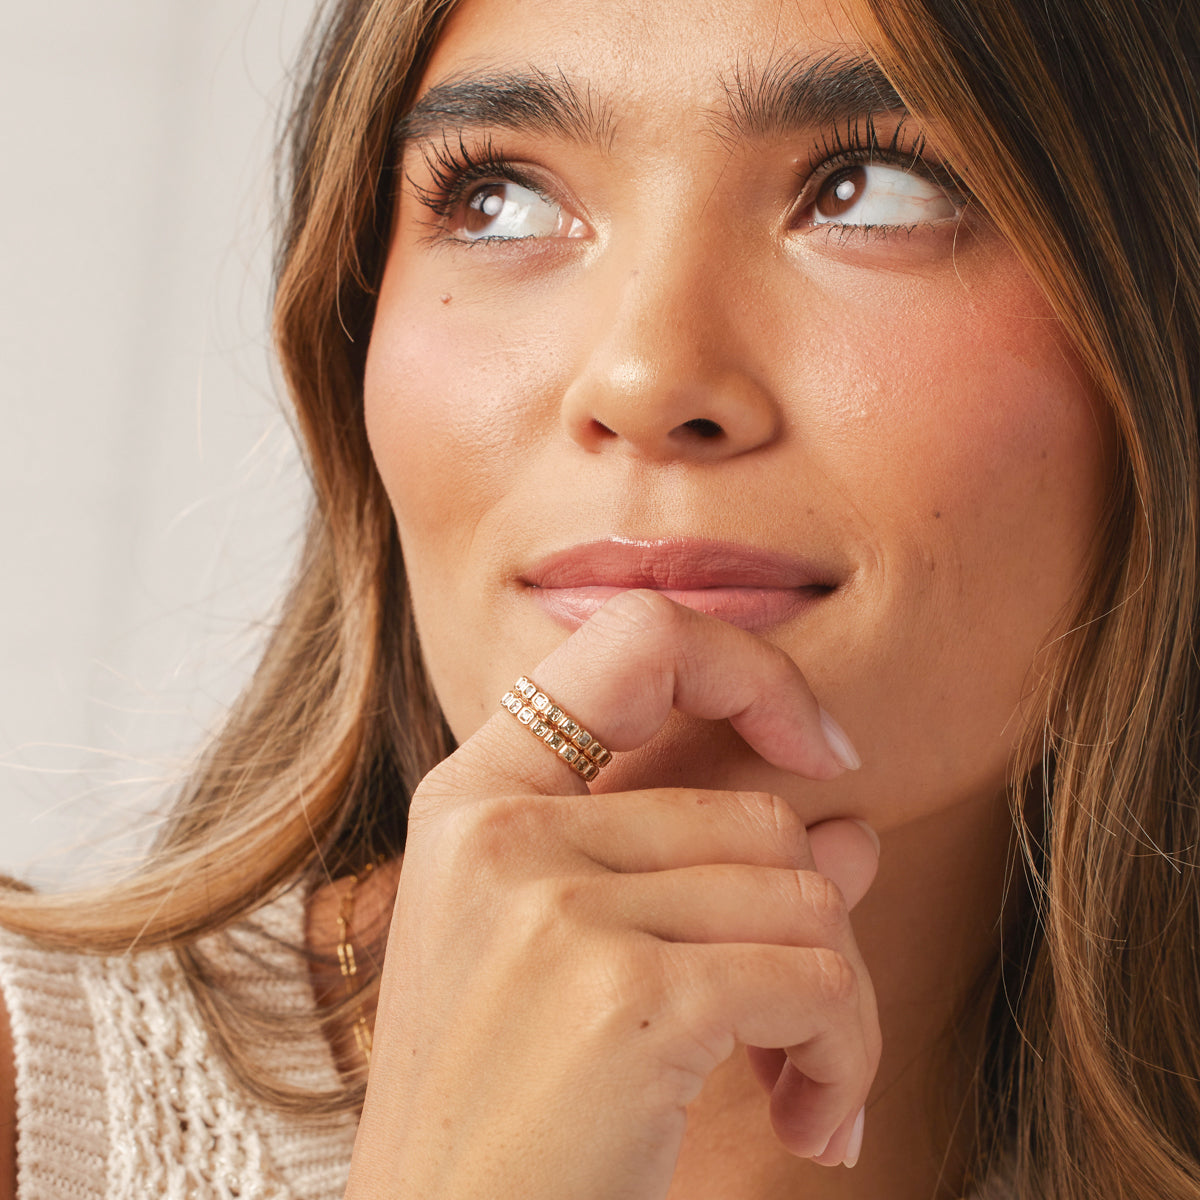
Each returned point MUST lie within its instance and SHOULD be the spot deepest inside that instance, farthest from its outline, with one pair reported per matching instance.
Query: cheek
(975, 459)
(966, 423)
(444, 411)
(1012, 452)
(463, 382)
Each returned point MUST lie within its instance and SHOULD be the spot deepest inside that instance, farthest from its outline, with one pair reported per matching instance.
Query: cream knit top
(121, 1097)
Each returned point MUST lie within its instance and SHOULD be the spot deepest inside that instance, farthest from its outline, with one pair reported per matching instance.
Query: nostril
(704, 427)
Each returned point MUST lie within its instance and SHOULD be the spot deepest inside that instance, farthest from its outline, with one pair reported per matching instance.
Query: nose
(666, 376)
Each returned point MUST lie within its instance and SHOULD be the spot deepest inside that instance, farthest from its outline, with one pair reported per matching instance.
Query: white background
(150, 495)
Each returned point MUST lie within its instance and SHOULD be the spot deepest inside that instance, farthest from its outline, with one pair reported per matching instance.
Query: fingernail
(870, 833)
(854, 1146)
(841, 746)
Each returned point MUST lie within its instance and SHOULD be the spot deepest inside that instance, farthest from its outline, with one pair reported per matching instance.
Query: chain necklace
(348, 962)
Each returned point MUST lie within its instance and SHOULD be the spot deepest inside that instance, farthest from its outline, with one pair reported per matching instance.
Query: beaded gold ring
(549, 724)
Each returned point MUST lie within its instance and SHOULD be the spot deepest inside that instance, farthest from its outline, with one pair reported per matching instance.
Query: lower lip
(756, 609)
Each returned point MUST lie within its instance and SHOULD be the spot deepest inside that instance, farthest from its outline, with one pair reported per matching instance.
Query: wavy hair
(1075, 125)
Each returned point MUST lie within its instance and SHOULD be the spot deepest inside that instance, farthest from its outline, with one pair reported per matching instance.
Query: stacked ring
(548, 723)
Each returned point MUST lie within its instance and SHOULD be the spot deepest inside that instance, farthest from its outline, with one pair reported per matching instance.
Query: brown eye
(878, 194)
(504, 210)
(484, 206)
(841, 192)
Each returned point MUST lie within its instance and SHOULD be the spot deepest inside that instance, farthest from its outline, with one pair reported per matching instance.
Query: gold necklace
(349, 964)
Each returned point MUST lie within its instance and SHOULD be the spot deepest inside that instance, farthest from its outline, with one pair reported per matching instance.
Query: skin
(898, 405)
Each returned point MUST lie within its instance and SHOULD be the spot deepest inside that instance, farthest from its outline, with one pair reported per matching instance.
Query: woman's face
(677, 296)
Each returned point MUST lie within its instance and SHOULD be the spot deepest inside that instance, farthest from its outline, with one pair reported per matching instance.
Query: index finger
(620, 674)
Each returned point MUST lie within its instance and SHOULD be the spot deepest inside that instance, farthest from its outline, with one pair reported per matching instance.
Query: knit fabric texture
(120, 1096)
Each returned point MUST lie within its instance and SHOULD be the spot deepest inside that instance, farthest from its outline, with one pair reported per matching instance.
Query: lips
(751, 588)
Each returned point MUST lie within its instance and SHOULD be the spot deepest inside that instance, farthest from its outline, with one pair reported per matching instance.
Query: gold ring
(548, 723)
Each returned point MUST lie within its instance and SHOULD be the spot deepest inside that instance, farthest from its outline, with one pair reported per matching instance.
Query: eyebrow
(792, 94)
(788, 95)
(533, 101)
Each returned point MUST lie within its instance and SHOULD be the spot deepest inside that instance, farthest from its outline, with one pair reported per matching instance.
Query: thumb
(847, 852)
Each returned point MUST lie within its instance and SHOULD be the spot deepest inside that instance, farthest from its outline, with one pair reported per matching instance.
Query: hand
(564, 970)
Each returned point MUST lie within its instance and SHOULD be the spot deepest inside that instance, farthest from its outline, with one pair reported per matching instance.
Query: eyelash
(454, 168)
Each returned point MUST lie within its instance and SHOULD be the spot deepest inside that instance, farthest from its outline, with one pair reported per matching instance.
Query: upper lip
(674, 564)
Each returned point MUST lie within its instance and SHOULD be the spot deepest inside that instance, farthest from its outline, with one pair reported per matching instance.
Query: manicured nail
(854, 1146)
(837, 741)
(870, 833)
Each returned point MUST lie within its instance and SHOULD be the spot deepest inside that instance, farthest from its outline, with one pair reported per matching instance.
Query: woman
(724, 367)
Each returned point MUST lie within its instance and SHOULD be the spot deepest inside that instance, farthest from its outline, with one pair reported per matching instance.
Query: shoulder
(119, 1089)
(54, 1069)
(55, 1090)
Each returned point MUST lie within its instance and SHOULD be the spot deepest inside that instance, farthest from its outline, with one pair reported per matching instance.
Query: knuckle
(835, 978)
(696, 1034)
(499, 820)
(628, 977)
(786, 828)
(493, 832)
(627, 992)
(445, 783)
(641, 1002)
(430, 796)
(559, 899)
(544, 918)
(823, 899)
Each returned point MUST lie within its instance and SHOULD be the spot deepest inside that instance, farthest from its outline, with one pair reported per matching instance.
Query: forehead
(661, 53)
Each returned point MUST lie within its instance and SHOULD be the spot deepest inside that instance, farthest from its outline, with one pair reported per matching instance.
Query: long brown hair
(1075, 124)
(1077, 128)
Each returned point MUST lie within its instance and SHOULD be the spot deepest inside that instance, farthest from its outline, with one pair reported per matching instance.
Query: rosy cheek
(965, 402)
(1021, 431)
(432, 416)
